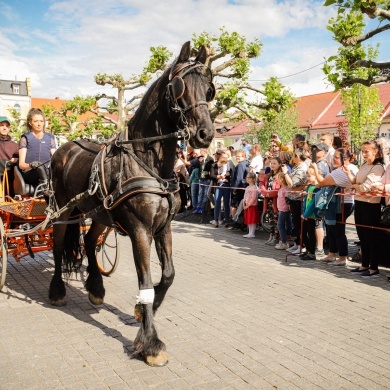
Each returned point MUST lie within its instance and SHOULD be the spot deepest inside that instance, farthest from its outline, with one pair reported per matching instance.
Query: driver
(36, 148)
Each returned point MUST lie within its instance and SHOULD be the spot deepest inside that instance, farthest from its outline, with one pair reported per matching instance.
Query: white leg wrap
(145, 296)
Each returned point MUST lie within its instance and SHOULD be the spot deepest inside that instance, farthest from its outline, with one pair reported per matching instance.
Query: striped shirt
(341, 180)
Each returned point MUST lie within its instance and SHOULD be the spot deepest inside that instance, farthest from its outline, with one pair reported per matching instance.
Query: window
(16, 89)
(17, 107)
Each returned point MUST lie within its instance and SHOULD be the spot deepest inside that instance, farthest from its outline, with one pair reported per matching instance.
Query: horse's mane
(149, 103)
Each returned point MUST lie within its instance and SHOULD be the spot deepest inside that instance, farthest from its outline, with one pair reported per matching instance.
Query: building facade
(15, 95)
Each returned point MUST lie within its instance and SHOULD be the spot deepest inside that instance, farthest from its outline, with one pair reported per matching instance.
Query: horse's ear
(202, 55)
(184, 53)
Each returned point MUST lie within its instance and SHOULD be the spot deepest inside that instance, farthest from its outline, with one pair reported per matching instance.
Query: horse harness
(153, 184)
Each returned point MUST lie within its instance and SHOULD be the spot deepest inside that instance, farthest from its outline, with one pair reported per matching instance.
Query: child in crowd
(309, 217)
(269, 187)
(284, 215)
(194, 182)
(222, 169)
(251, 211)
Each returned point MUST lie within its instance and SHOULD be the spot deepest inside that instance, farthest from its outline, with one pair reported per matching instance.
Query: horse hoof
(160, 360)
(138, 313)
(58, 302)
(95, 300)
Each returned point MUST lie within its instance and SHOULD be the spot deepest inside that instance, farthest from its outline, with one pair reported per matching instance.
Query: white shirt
(329, 157)
(257, 163)
(341, 180)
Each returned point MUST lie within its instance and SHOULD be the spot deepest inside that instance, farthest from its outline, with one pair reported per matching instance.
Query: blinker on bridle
(176, 87)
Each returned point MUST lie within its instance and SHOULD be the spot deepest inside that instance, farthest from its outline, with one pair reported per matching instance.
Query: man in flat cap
(8, 149)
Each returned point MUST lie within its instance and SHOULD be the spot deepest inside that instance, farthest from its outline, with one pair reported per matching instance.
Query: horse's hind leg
(94, 282)
(164, 252)
(57, 290)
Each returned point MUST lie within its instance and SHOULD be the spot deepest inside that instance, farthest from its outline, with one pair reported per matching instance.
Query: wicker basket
(26, 208)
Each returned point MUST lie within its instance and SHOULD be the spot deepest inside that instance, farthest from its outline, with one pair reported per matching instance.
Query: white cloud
(75, 40)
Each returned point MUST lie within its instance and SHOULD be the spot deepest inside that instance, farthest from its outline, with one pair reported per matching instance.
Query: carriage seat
(20, 186)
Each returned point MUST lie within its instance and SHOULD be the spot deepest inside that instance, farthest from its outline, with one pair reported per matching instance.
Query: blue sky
(62, 44)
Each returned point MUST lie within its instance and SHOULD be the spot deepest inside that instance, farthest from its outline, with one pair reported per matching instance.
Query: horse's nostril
(202, 134)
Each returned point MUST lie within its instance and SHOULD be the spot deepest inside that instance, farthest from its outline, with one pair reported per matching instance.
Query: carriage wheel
(3, 254)
(266, 218)
(107, 252)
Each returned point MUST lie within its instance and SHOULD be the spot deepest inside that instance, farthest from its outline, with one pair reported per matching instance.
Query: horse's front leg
(147, 344)
(164, 252)
(94, 282)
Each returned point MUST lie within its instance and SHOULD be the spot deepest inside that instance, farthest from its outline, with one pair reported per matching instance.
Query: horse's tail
(72, 255)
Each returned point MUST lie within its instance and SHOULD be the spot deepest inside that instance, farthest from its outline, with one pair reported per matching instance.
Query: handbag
(386, 215)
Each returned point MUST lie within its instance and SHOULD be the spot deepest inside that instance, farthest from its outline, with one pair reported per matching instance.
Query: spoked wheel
(3, 254)
(266, 218)
(107, 251)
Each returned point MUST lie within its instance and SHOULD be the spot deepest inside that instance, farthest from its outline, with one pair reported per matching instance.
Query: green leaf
(329, 2)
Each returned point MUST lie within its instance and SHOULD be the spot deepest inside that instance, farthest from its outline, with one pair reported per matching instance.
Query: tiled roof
(311, 108)
(40, 102)
(243, 127)
(319, 111)
(57, 103)
(6, 87)
(331, 114)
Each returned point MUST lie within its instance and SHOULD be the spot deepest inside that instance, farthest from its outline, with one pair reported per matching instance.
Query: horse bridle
(176, 88)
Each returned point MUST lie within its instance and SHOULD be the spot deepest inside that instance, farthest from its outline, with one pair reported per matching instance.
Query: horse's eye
(210, 94)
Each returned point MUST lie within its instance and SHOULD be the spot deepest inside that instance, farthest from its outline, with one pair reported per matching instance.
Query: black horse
(128, 183)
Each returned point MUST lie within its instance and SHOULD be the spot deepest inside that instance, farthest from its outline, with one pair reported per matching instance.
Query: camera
(314, 154)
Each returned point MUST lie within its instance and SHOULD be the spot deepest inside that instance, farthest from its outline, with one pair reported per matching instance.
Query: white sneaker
(212, 222)
(293, 248)
(249, 236)
(296, 251)
(273, 242)
(319, 252)
(282, 245)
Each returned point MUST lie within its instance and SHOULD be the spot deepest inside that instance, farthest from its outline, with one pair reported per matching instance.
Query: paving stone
(236, 317)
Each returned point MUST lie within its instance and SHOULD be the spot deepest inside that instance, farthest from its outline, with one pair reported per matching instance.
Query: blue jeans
(222, 192)
(202, 197)
(194, 194)
(284, 225)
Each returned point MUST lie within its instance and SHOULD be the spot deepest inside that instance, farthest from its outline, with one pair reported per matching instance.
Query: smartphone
(341, 159)
(267, 170)
(314, 155)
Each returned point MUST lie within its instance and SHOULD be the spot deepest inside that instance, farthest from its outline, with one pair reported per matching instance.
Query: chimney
(28, 85)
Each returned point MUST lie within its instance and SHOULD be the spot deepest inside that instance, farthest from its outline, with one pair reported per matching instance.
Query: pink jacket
(251, 195)
(281, 200)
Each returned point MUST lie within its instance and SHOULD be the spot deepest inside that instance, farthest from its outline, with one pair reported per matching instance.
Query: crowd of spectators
(308, 191)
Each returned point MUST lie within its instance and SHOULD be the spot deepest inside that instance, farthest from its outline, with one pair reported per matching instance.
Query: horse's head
(189, 91)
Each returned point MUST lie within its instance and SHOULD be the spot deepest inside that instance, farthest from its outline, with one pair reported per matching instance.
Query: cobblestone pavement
(237, 317)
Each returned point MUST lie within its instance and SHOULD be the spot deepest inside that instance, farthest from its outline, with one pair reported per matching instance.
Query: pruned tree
(229, 58)
(362, 108)
(355, 63)
(117, 103)
(18, 127)
(278, 113)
